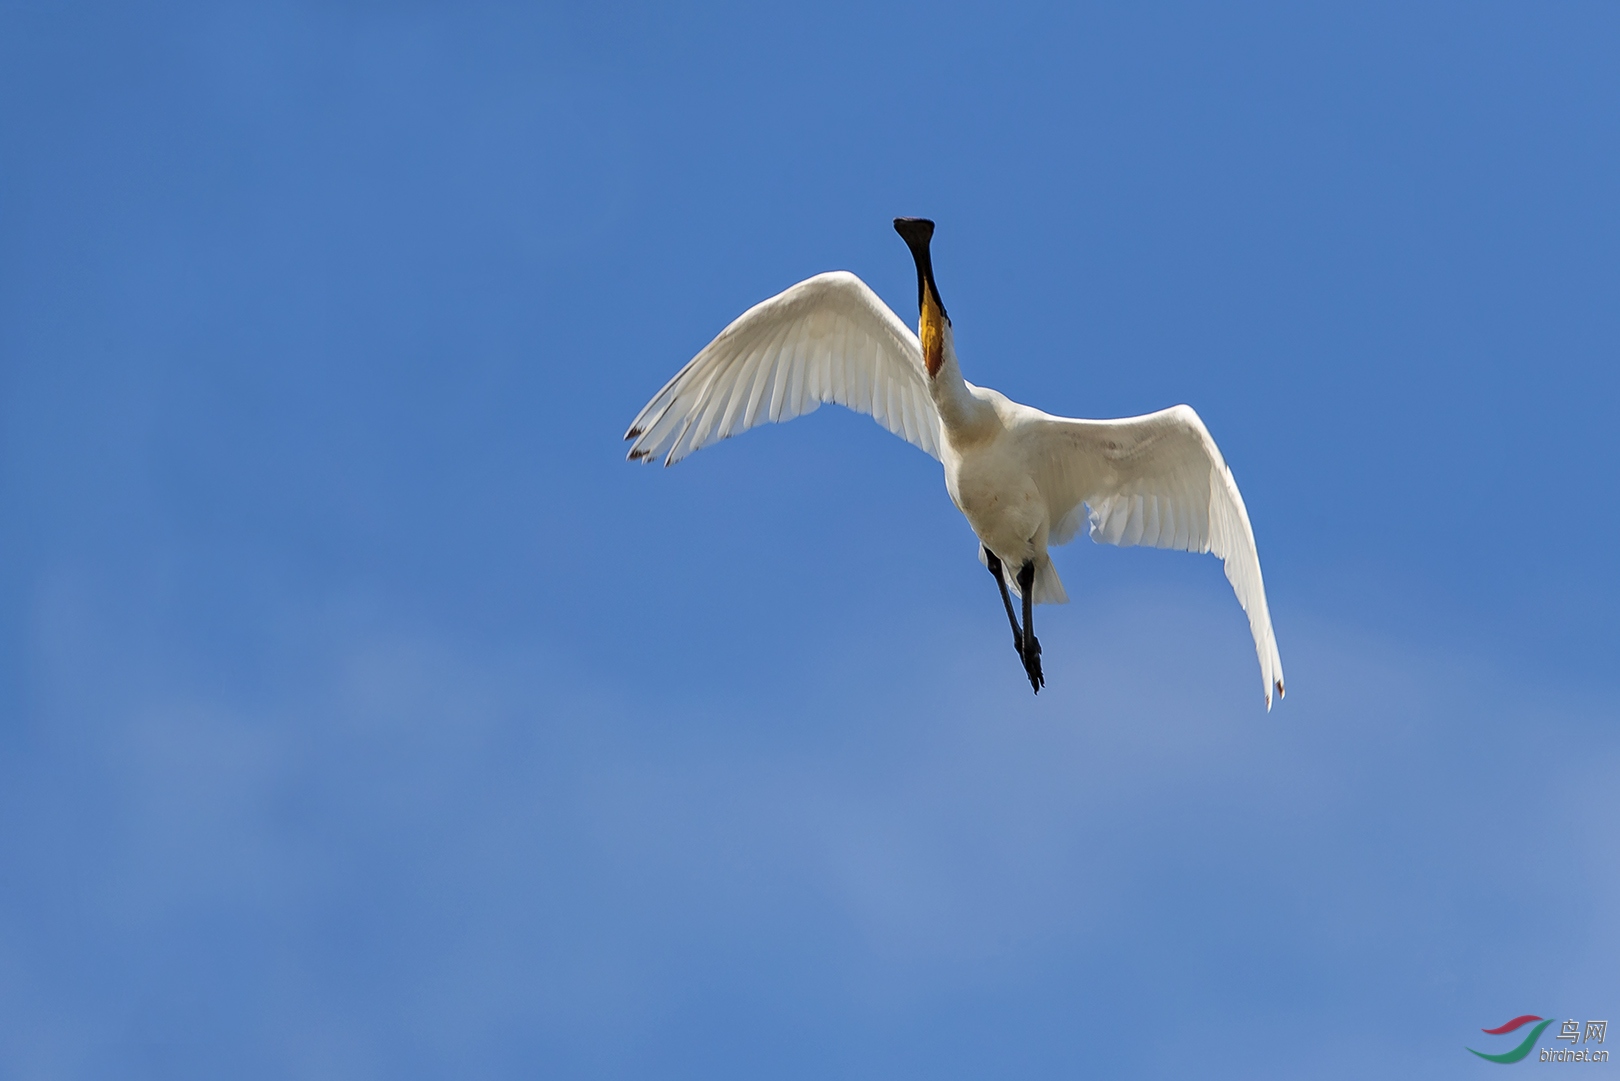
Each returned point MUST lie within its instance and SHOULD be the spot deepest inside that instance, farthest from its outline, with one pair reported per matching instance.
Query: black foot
(1031, 653)
(1032, 664)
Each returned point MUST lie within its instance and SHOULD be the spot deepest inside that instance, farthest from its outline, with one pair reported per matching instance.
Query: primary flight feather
(1021, 477)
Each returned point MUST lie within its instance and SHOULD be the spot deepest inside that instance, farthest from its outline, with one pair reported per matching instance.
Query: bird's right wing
(827, 339)
(1156, 480)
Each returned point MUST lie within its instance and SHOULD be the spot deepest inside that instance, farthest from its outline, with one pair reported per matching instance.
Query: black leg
(1006, 600)
(1032, 645)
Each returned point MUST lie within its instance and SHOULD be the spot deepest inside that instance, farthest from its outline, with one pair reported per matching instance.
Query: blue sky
(364, 714)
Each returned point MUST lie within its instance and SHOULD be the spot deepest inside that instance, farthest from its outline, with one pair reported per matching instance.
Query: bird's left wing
(1156, 480)
(827, 339)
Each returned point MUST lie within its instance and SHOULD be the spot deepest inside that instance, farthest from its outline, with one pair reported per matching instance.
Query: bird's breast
(999, 498)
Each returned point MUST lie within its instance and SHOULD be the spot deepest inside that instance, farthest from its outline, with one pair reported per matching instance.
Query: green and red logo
(1523, 1049)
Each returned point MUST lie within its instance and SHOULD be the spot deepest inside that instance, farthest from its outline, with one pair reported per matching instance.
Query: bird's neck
(959, 411)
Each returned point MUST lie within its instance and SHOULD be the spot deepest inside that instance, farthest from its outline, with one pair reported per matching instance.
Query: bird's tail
(1048, 586)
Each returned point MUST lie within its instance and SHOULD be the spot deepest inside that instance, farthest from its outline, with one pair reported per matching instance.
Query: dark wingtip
(633, 433)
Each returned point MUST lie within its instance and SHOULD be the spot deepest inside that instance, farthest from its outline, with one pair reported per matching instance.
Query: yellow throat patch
(931, 330)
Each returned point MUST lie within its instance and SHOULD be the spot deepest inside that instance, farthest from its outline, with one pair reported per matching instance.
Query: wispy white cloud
(421, 849)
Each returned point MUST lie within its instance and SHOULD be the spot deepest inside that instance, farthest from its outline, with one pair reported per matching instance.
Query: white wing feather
(1157, 480)
(827, 339)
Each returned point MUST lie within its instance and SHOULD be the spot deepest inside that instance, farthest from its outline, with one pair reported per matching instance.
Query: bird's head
(932, 322)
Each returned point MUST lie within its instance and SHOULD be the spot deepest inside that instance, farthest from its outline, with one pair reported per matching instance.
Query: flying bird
(1024, 479)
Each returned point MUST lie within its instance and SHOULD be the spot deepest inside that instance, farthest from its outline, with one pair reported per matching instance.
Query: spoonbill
(1024, 479)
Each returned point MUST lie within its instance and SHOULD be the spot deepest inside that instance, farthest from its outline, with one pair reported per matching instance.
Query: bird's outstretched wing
(827, 339)
(1156, 480)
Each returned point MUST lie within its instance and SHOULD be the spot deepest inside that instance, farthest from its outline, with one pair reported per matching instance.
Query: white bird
(1021, 477)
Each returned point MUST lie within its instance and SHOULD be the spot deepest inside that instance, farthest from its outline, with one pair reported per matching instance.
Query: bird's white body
(991, 479)
(1021, 477)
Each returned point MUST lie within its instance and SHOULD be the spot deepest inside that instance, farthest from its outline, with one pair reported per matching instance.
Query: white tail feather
(1048, 586)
